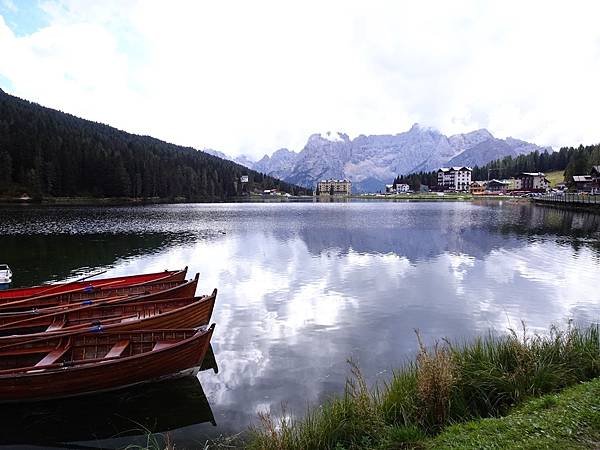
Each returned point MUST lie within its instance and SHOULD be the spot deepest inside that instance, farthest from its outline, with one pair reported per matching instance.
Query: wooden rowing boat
(150, 408)
(154, 291)
(74, 286)
(92, 362)
(190, 312)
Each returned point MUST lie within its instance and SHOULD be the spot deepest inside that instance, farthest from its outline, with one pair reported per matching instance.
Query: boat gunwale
(4, 298)
(66, 304)
(107, 304)
(51, 369)
(88, 328)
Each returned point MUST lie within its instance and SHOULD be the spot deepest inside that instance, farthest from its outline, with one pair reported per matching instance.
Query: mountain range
(372, 161)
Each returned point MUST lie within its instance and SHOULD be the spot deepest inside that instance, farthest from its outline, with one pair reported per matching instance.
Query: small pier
(574, 200)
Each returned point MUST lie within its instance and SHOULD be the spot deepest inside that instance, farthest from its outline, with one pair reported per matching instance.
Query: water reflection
(36, 258)
(302, 287)
(91, 420)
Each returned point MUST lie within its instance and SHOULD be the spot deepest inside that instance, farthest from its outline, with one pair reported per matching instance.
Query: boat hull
(109, 374)
(128, 280)
(159, 314)
(151, 291)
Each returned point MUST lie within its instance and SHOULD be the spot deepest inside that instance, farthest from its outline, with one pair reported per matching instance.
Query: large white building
(334, 187)
(454, 178)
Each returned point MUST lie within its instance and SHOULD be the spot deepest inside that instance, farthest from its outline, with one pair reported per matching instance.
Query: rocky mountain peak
(329, 136)
(371, 161)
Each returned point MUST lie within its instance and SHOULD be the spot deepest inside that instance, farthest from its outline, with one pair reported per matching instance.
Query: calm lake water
(302, 288)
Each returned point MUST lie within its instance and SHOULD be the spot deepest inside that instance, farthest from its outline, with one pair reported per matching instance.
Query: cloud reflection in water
(303, 287)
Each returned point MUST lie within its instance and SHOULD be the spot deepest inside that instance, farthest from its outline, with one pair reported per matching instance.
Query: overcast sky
(253, 76)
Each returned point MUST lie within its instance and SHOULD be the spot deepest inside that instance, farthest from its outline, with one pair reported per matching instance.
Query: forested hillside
(574, 161)
(44, 152)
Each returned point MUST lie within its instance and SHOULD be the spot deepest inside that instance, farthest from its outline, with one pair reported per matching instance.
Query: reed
(446, 384)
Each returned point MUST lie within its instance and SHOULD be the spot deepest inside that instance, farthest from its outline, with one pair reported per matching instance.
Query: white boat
(5, 274)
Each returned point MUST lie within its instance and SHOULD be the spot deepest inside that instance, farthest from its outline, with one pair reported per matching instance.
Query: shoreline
(449, 390)
(130, 201)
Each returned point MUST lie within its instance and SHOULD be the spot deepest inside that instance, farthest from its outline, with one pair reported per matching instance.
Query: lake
(302, 288)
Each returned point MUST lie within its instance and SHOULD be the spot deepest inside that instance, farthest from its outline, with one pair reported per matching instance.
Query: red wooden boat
(92, 362)
(160, 289)
(74, 286)
(188, 312)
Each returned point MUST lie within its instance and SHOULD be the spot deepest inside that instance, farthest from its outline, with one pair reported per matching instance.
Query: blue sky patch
(24, 16)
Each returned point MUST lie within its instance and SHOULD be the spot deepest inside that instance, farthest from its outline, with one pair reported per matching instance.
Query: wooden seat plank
(56, 326)
(118, 349)
(162, 344)
(53, 356)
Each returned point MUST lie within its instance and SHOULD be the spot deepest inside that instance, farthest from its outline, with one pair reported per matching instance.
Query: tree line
(47, 153)
(571, 160)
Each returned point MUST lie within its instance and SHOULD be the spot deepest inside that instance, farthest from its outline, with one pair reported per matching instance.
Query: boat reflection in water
(157, 407)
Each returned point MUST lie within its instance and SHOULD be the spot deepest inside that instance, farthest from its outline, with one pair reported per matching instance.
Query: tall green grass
(446, 384)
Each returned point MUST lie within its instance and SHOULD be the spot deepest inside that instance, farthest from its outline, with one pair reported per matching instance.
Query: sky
(251, 77)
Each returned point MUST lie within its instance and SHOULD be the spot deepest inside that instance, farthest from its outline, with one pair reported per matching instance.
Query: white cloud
(254, 76)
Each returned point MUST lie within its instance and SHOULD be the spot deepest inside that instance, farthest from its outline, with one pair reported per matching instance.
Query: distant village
(459, 180)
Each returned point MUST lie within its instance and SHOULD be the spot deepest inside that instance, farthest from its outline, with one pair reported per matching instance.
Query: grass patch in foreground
(570, 420)
(447, 384)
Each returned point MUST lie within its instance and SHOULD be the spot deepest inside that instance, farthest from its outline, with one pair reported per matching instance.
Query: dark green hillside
(47, 153)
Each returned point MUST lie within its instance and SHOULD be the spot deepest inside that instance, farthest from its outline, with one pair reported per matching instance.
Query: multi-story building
(477, 188)
(588, 183)
(583, 183)
(497, 186)
(454, 178)
(533, 181)
(514, 184)
(334, 187)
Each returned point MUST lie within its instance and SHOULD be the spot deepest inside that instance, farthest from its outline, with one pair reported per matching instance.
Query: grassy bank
(570, 419)
(445, 385)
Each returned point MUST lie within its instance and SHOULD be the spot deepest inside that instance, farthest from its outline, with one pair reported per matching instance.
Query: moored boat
(155, 291)
(5, 276)
(190, 312)
(82, 285)
(85, 363)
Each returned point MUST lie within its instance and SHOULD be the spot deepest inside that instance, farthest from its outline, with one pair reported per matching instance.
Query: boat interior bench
(56, 325)
(53, 356)
(118, 349)
(162, 344)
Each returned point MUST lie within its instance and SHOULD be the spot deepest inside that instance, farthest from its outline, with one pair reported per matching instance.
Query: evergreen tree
(573, 161)
(47, 152)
